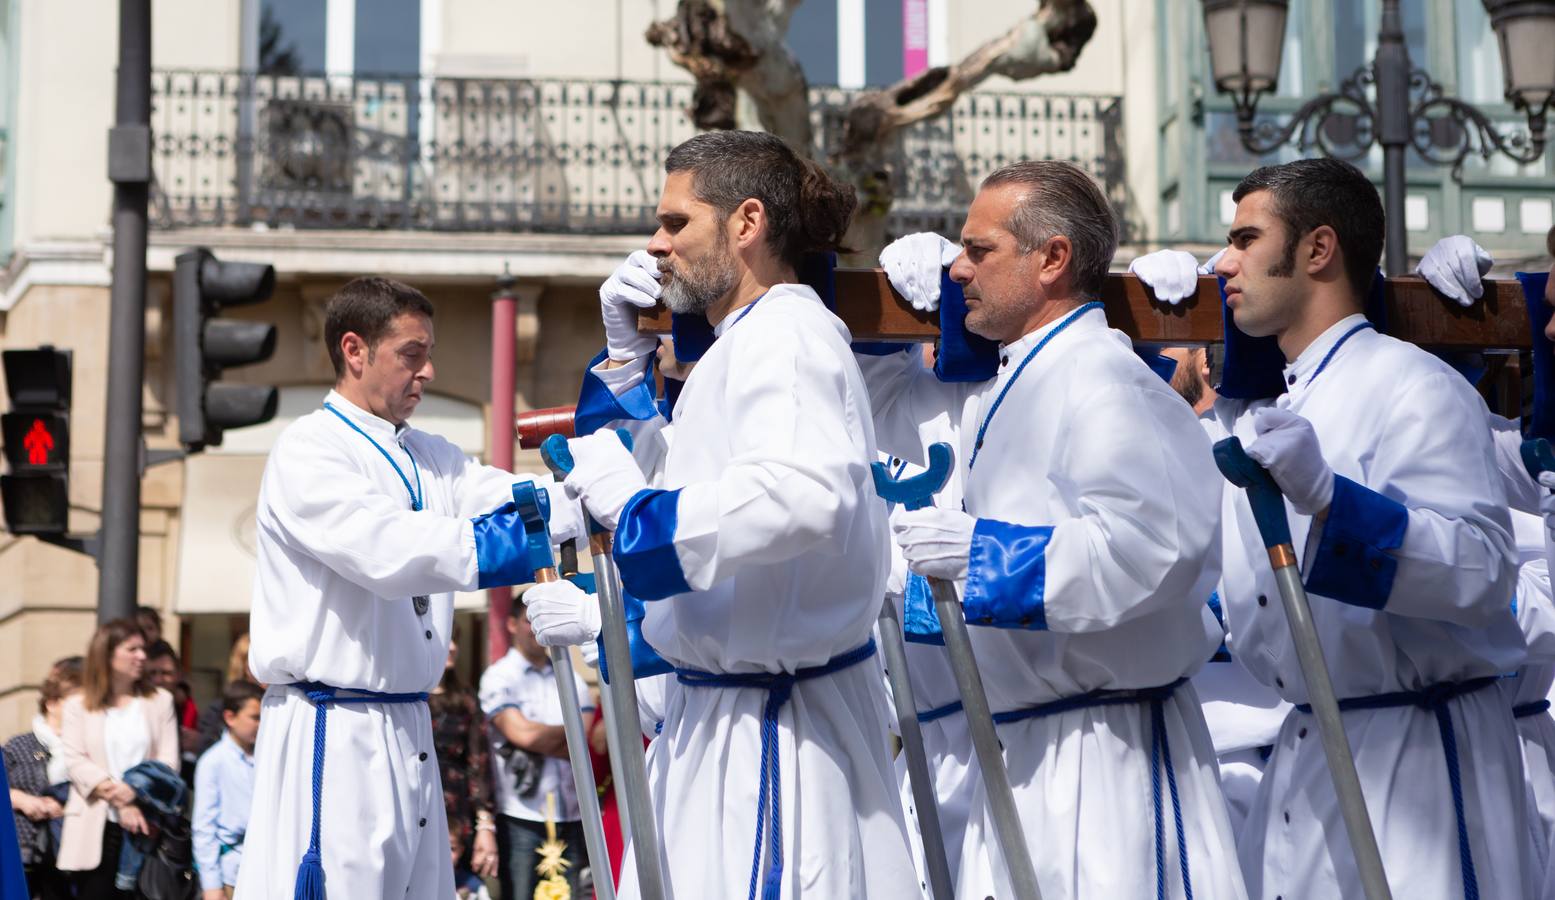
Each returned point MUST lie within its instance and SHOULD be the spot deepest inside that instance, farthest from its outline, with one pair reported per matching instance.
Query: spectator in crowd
(211, 723)
(150, 622)
(117, 721)
(35, 764)
(224, 791)
(463, 754)
(467, 885)
(165, 670)
(518, 696)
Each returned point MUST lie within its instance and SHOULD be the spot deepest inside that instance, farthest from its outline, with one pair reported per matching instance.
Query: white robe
(780, 537)
(1093, 443)
(340, 555)
(1396, 420)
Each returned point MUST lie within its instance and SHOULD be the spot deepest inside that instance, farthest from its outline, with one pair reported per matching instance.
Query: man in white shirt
(751, 529)
(366, 527)
(529, 760)
(1399, 518)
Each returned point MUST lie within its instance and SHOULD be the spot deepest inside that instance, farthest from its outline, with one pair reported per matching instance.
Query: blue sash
(778, 685)
(310, 872)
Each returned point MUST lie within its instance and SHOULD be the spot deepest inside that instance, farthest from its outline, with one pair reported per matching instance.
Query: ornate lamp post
(1406, 109)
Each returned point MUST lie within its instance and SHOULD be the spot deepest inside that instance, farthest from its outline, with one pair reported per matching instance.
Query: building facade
(445, 142)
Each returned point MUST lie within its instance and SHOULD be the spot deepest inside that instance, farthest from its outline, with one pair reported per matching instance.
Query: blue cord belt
(1435, 698)
(1160, 758)
(939, 712)
(778, 685)
(310, 872)
(1528, 710)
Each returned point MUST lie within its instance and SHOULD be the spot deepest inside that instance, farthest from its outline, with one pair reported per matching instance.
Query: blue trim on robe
(598, 407)
(646, 661)
(1351, 563)
(920, 620)
(13, 882)
(962, 356)
(1540, 423)
(645, 546)
(693, 336)
(1007, 575)
(501, 548)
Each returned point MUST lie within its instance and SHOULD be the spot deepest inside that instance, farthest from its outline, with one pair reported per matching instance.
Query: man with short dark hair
(366, 526)
(1384, 455)
(1088, 540)
(750, 528)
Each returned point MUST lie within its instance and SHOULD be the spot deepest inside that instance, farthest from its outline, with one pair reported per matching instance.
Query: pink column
(915, 37)
(504, 350)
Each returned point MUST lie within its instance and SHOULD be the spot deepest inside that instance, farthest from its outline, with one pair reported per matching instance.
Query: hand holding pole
(1268, 507)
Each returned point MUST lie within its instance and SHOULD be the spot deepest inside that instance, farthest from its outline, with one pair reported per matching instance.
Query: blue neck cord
(415, 495)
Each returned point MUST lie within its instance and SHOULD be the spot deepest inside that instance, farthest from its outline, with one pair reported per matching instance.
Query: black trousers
(98, 883)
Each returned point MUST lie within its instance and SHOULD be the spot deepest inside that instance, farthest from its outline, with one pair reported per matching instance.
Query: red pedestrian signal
(38, 443)
(36, 440)
(35, 430)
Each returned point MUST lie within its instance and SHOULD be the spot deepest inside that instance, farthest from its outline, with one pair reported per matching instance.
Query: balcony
(534, 156)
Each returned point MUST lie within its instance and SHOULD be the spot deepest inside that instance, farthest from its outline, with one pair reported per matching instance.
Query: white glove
(1455, 266)
(562, 614)
(1173, 275)
(1547, 503)
(590, 650)
(896, 579)
(1288, 447)
(604, 476)
(1209, 264)
(936, 542)
(913, 265)
(634, 285)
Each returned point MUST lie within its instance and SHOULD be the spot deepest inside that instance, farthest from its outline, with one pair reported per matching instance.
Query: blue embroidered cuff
(920, 620)
(598, 407)
(646, 661)
(1351, 563)
(1007, 575)
(645, 546)
(501, 548)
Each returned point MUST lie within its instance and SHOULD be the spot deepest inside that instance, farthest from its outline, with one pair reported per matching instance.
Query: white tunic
(1396, 420)
(779, 535)
(340, 557)
(1090, 442)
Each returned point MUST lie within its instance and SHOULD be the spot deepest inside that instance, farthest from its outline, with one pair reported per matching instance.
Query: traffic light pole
(129, 168)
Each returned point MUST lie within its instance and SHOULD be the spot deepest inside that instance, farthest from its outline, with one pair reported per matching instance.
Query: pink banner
(915, 37)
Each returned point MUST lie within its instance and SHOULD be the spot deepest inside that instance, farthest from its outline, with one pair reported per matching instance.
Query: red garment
(189, 714)
(615, 844)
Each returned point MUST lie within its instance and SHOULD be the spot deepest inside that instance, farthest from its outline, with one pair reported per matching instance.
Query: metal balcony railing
(463, 154)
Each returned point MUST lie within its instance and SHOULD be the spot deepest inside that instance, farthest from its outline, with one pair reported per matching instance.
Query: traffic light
(204, 345)
(36, 432)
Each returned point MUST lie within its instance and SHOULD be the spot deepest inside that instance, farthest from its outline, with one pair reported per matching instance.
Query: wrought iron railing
(462, 154)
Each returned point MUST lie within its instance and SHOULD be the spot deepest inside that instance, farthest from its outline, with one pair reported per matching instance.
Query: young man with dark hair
(1384, 456)
(751, 528)
(366, 527)
(1088, 540)
(224, 792)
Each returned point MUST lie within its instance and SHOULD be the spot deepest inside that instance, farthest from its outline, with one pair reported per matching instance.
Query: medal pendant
(421, 603)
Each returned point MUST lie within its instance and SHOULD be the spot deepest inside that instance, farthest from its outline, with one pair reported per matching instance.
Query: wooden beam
(1416, 313)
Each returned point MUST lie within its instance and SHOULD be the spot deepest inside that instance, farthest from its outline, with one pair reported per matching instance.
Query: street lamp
(1246, 38)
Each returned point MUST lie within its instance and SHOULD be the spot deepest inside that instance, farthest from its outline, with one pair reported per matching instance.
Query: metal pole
(1391, 68)
(129, 168)
(504, 349)
(985, 741)
(583, 774)
(632, 776)
(941, 885)
(1268, 508)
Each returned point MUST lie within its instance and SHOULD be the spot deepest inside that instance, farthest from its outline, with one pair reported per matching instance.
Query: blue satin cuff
(646, 661)
(1007, 575)
(920, 620)
(645, 546)
(1351, 563)
(501, 551)
(963, 356)
(598, 407)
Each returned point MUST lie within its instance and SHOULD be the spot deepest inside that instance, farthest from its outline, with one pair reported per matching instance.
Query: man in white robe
(366, 527)
(1089, 545)
(1399, 518)
(751, 529)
